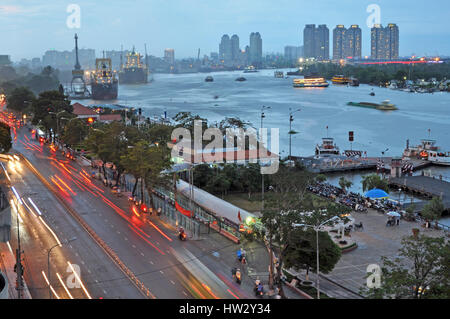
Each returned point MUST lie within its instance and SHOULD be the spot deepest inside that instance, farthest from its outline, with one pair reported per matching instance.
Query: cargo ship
(340, 79)
(104, 83)
(383, 106)
(310, 82)
(134, 71)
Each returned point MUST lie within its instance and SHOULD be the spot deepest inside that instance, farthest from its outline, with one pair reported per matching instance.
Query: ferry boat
(313, 82)
(250, 69)
(427, 150)
(209, 78)
(340, 79)
(278, 74)
(384, 106)
(327, 148)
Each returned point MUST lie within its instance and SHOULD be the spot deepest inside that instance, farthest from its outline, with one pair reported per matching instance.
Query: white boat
(439, 158)
(428, 151)
(327, 148)
(278, 74)
(250, 69)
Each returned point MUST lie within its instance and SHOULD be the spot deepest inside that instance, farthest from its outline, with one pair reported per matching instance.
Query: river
(375, 131)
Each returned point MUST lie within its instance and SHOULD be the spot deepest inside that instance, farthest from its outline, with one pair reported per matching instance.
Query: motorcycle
(238, 276)
(182, 235)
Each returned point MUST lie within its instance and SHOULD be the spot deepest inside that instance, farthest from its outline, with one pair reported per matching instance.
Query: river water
(374, 130)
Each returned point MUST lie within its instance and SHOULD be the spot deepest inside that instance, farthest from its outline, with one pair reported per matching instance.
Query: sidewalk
(7, 262)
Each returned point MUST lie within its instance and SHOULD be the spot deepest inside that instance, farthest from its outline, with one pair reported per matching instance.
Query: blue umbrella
(376, 193)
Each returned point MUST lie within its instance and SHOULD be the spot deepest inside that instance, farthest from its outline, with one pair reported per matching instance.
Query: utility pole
(291, 119)
(260, 142)
(18, 267)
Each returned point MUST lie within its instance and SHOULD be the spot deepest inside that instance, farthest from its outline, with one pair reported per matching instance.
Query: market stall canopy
(393, 214)
(376, 193)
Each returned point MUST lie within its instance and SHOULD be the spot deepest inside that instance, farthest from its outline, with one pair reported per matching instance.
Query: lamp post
(291, 119)
(260, 138)
(316, 228)
(48, 263)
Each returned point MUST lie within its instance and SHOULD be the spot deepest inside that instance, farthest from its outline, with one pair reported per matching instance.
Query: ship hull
(133, 76)
(107, 91)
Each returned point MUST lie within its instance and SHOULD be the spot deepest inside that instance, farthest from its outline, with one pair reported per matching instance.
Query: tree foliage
(374, 181)
(5, 138)
(18, 98)
(421, 271)
(433, 209)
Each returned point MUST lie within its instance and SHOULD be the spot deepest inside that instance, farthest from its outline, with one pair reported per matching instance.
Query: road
(43, 222)
(165, 266)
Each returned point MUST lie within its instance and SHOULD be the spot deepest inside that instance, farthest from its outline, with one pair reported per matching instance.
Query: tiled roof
(79, 109)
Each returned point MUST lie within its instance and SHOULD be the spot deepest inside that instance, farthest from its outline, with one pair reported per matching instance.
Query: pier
(424, 186)
(345, 164)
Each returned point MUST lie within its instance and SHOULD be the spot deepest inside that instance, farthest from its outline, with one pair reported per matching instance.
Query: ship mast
(146, 57)
(121, 57)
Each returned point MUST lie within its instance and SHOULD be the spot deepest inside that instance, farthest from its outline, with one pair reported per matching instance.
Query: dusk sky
(30, 27)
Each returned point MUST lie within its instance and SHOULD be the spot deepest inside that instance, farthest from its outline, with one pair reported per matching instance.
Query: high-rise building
(4, 60)
(385, 42)
(392, 38)
(169, 56)
(225, 52)
(316, 42)
(255, 54)
(346, 42)
(322, 43)
(235, 51)
(339, 34)
(308, 41)
(293, 53)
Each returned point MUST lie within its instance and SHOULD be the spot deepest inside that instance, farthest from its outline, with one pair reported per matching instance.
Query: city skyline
(201, 25)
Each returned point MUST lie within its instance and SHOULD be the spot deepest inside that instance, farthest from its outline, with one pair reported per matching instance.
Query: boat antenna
(146, 57)
(429, 133)
(327, 130)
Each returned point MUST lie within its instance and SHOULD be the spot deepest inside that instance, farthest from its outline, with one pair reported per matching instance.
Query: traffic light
(350, 136)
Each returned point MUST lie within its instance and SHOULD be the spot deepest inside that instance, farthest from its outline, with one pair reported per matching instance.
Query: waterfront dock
(424, 186)
(346, 164)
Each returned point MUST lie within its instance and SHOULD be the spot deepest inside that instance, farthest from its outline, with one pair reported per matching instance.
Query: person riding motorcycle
(238, 276)
(181, 234)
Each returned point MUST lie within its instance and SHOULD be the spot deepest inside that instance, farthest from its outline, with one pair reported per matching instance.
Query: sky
(30, 27)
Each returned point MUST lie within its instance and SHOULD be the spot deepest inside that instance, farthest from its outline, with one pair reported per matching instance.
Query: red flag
(182, 210)
(239, 216)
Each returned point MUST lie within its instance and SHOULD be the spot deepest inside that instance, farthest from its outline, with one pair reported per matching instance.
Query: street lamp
(260, 138)
(291, 119)
(48, 262)
(316, 228)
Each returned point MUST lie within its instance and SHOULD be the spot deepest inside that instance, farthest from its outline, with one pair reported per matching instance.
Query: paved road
(150, 250)
(101, 277)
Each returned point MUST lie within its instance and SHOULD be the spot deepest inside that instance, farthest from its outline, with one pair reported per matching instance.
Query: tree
(281, 210)
(433, 209)
(374, 181)
(302, 252)
(136, 162)
(5, 138)
(75, 131)
(321, 178)
(421, 271)
(49, 101)
(18, 99)
(344, 183)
